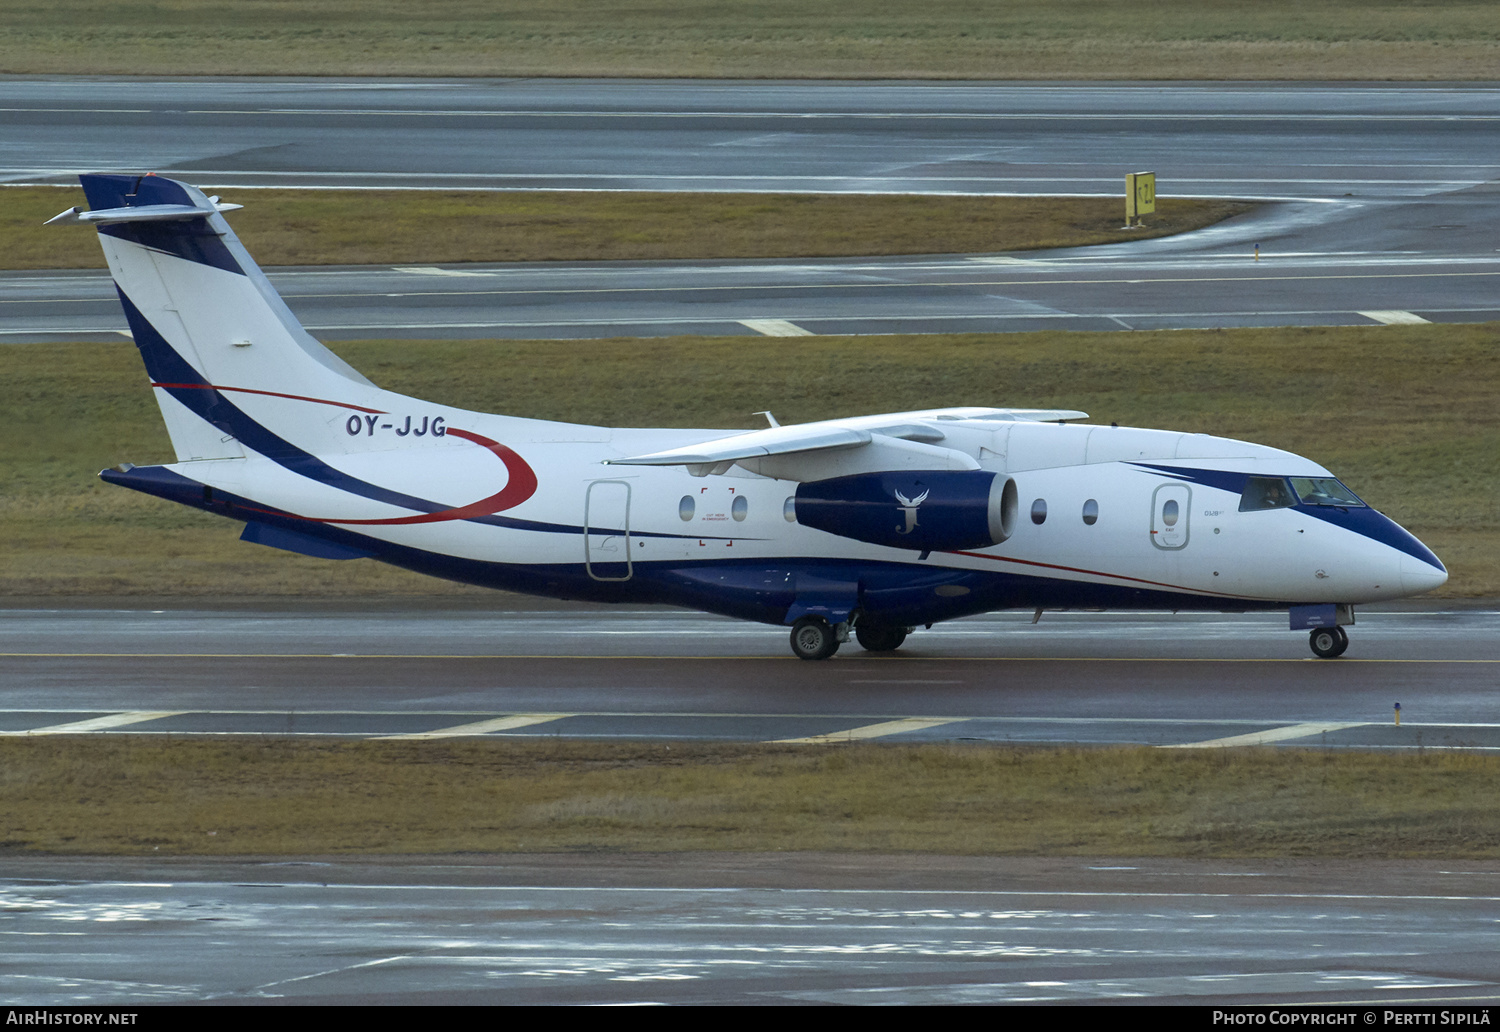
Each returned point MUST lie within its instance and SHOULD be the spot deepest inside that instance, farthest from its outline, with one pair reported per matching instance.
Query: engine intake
(924, 510)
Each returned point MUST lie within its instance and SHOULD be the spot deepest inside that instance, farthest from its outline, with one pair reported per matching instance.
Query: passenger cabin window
(1039, 511)
(1324, 491)
(1266, 493)
(1090, 512)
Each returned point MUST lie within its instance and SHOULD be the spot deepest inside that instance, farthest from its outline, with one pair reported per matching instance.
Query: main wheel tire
(1328, 642)
(879, 637)
(1343, 640)
(813, 638)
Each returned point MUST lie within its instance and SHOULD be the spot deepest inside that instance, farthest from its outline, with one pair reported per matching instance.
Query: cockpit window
(1324, 491)
(1266, 493)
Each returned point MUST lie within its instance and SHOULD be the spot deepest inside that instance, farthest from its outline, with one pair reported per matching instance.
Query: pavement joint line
(479, 727)
(700, 714)
(1341, 661)
(97, 723)
(888, 727)
(741, 113)
(775, 327)
(1395, 317)
(926, 285)
(1275, 734)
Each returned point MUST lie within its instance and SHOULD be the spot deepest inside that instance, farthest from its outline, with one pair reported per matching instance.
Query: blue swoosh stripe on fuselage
(1223, 479)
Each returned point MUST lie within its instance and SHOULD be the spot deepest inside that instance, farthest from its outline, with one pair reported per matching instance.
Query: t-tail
(226, 357)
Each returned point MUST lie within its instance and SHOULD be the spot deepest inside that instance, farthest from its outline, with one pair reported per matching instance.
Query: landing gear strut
(1328, 642)
(814, 638)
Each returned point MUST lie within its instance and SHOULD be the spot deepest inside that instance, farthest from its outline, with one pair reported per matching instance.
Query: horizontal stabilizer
(145, 213)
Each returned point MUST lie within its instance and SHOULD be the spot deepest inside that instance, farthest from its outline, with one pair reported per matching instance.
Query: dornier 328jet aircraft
(872, 525)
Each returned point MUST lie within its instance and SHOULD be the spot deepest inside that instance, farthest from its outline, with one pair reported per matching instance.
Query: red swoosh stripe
(519, 486)
(269, 394)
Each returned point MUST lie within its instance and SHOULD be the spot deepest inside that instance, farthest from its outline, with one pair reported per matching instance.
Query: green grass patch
(163, 796)
(1405, 414)
(968, 39)
(333, 227)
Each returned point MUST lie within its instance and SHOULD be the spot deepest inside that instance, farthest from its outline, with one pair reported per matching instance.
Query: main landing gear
(1328, 642)
(815, 638)
(879, 637)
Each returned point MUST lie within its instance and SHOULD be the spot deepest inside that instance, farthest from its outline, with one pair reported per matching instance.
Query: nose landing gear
(1328, 642)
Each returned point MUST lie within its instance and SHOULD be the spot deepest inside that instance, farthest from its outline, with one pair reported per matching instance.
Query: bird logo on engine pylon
(909, 508)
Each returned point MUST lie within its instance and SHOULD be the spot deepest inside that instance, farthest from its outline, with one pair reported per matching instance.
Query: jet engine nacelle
(926, 510)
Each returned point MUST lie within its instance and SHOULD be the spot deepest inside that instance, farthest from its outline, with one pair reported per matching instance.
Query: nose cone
(1418, 575)
(1413, 565)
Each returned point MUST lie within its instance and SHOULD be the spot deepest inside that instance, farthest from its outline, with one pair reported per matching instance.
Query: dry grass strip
(944, 39)
(334, 227)
(122, 795)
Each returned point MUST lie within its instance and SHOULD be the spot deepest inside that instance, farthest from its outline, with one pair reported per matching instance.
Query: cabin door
(606, 530)
(1170, 506)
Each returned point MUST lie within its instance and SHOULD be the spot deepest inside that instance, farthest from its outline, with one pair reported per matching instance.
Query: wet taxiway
(798, 929)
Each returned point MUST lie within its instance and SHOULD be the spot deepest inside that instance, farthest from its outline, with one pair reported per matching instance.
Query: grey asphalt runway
(1219, 139)
(602, 673)
(916, 295)
(1380, 207)
(782, 929)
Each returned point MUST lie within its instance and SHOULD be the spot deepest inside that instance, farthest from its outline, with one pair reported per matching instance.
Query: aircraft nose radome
(1417, 576)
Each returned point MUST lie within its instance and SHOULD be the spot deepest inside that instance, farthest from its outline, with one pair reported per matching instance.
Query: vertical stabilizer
(211, 329)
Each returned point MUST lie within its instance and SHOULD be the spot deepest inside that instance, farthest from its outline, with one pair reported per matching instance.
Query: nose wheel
(1328, 642)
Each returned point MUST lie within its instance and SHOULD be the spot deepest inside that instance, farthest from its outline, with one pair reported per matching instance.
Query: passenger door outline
(606, 550)
(1171, 505)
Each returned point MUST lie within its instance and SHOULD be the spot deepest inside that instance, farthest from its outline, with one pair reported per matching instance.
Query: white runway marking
(1275, 734)
(97, 723)
(1394, 317)
(433, 270)
(1005, 260)
(1200, 985)
(888, 727)
(1072, 278)
(481, 727)
(775, 327)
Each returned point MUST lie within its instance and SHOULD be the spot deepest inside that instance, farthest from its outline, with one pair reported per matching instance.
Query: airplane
(871, 526)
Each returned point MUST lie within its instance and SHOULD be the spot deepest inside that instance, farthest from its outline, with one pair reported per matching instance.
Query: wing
(838, 447)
